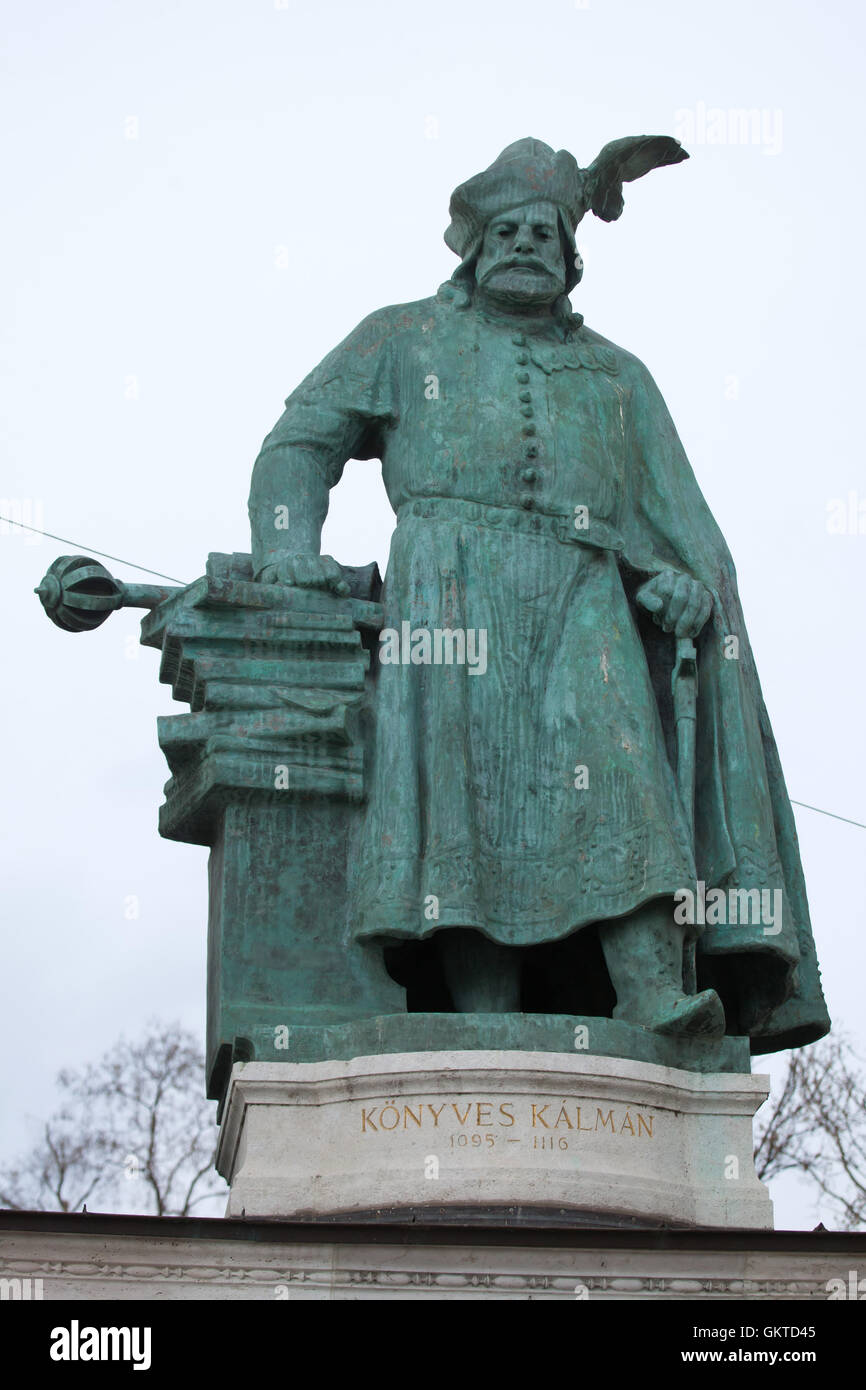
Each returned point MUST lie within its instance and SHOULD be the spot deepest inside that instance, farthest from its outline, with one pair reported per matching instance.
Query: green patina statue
(552, 556)
(526, 796)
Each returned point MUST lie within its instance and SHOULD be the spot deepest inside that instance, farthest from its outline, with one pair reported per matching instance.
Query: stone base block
(92, 1258)
(472, 1135)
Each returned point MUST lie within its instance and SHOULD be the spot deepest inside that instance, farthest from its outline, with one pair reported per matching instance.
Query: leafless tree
(134, 1133)
(61, 1172)
(817, 1126)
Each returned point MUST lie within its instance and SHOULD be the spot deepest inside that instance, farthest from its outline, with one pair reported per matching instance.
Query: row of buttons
(528, 475)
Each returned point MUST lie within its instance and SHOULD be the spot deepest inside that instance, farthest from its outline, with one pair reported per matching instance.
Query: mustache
(519, 263)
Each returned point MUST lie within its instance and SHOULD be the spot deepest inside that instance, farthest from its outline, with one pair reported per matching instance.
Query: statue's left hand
(678, 603)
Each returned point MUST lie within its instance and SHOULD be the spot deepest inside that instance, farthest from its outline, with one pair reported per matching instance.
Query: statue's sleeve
(339, 412)
(668, 522)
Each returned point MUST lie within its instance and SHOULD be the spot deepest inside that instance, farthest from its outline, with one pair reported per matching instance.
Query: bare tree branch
(134, 1132)
(817, 1126)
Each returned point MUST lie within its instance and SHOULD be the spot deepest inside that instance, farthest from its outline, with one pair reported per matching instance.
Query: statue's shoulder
(364, 355)
(628, 367)
(390, 324)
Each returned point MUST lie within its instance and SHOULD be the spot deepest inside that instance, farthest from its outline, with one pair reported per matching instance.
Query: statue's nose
(524, 240)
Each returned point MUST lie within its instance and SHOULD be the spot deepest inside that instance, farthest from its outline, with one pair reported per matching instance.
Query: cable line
(827, 813)
(89, 548)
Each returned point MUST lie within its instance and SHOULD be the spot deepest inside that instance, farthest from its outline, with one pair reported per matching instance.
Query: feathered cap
(530, 172)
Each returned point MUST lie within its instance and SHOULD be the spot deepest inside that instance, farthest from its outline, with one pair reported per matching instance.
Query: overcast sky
(203, 197)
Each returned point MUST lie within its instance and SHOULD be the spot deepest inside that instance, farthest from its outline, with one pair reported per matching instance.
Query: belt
(577, 530)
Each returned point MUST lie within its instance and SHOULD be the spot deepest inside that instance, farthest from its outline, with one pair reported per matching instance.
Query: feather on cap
(529, 171)
(621, 162)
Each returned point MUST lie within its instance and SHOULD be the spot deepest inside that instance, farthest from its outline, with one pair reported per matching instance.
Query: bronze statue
(543, 500)
(531, 780)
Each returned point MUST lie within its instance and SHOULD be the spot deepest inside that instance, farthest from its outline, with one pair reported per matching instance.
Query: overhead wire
(90, 550)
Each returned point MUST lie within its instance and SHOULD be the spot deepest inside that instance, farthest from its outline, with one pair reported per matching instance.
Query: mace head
(78, 593)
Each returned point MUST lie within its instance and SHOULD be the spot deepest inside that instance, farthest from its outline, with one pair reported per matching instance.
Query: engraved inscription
(480, 1123)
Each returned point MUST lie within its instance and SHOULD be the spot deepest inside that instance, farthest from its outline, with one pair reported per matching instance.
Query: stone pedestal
(472, 1136)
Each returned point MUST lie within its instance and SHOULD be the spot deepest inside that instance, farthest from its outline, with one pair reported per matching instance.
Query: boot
(482, 976)
(644, 957)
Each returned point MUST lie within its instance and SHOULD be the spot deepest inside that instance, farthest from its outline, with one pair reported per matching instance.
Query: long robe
(538, 479)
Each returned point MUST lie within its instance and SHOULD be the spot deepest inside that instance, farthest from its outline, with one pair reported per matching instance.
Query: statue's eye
(503, 231)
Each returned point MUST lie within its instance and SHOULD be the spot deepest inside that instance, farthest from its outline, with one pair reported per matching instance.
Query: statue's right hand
(306, 572)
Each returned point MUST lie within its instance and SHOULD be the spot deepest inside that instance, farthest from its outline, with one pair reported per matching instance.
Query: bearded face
(521, 263)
